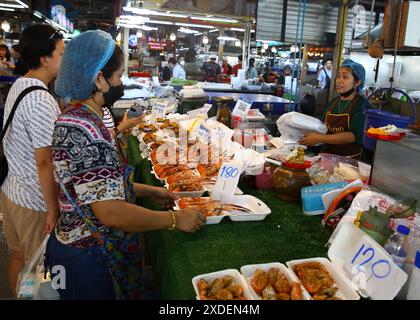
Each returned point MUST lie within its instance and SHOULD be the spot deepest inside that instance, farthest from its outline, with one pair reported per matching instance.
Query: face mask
(182, 63)
(113, 94)
(348, 93)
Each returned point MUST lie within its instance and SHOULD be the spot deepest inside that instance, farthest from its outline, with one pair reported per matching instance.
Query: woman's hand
(161, 196)
(189, 220)
(311, 139)
(52, 218)
(126, 124)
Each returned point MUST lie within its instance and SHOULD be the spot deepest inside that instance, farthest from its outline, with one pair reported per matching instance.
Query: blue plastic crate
(312, 197)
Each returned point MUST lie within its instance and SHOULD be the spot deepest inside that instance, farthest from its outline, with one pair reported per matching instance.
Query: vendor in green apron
(344, 115)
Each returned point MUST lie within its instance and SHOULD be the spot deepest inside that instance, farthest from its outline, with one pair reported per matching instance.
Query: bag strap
(17, 102)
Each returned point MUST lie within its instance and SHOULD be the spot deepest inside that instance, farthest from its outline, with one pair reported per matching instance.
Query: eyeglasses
(56, 35)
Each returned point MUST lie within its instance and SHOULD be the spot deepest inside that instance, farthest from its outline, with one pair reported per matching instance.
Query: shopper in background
(251, 73)
(29, 197)
(7, 63)
(344, 115)
(237, 67)
(178, 71)
(20, 66)
(96, 239)
(211, 70)
(167, 70)
(325, 75)
(226, 67)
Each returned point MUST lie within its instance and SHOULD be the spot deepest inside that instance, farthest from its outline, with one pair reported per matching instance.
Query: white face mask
(182, 63)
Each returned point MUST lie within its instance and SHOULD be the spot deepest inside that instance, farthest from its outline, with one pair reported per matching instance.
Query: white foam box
(249, 270)
(259, 210)
(209, 277)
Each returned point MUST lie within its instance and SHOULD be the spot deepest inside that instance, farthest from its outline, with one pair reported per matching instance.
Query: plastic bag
(294, 125)
(30, 276)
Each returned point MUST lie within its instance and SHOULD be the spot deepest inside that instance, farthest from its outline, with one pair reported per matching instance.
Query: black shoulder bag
(3, 161)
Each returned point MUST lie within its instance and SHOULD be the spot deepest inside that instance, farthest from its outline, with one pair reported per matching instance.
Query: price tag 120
(241, 108)
(226, 183)
(373, 271)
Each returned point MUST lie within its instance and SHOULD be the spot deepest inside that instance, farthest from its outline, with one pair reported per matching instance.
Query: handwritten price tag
(158, 111)
(227, 182)
(241, 108)
(373, 271)
(204, 134)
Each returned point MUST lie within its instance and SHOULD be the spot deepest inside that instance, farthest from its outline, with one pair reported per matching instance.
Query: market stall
(178, 257)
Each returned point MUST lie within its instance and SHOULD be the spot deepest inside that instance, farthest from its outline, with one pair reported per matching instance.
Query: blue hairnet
(358, 70)
(84, 57)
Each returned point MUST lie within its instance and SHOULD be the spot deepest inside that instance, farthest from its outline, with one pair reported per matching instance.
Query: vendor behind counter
(344, 115)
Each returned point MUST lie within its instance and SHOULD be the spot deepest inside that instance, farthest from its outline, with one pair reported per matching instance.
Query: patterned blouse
(86, 161)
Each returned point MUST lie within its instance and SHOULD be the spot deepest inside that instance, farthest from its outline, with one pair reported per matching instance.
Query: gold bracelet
(173, 227)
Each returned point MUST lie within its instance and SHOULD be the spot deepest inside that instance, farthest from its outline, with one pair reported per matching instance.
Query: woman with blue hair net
(344, 115)
(97, 235)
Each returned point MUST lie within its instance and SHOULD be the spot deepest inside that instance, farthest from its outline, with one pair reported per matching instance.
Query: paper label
(242, 108)
(373, 271)
(227, 182)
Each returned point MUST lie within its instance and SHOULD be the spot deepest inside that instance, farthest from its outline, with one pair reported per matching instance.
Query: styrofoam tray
(185, 194)
(249, 270)
(209, 189)
(209, 277)
(345, 289)
(260, 210)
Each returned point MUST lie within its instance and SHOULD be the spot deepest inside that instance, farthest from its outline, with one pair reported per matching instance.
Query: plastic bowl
(330, 161)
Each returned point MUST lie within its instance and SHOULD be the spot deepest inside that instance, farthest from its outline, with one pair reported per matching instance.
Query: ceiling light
(215, 19)
(223, 38)
(172, 37)
(36, 14)
(237, 29)
(238, 43)
(265, 46)
(6, 9)
(193, 25)
(205, 40)
(160, 22)
(22, 3)
(147, 28)
(5, 26)
(214, 30)
(189, 31)
(18, 6)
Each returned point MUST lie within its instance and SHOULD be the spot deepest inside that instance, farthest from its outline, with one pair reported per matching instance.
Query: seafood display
(186, 185)
(274, 285)
(144, 127)
(149, 138)
(316, 280)
(223, 288)
(210, 207)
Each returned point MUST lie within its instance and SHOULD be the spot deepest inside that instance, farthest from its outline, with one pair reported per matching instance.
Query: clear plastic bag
(29, 277)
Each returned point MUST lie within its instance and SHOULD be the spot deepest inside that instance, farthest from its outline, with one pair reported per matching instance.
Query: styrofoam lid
(365, 263)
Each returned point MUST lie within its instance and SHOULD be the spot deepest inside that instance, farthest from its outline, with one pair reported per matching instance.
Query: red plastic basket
(391, 137)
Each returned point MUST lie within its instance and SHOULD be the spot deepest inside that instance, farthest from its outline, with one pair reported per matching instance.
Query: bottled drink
(397, 245)
(224, 115)
(414, 281)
